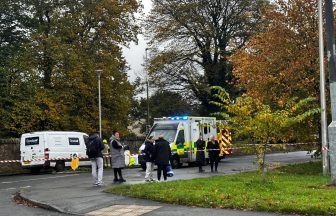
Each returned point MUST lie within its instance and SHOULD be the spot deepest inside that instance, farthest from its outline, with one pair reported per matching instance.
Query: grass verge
(292, 189)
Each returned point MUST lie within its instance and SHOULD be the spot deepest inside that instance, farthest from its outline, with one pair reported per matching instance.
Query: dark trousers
(116, 172)
(164, 169)
(212, 162)
(200, 165)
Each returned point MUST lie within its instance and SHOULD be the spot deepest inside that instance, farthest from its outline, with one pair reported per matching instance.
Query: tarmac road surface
(74, 193)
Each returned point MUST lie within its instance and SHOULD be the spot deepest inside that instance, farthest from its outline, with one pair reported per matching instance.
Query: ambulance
(182, 133)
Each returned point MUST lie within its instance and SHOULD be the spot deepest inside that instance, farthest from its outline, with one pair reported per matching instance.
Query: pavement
(74, 194)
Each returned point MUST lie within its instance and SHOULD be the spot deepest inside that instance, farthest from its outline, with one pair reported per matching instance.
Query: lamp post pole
(324, 140)
(99, 102)
(147, 84)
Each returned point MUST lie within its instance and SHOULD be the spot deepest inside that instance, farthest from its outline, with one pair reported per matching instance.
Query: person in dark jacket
(200, 155)
(162, 156)
(97, 159)
(149, 158)
(117, 156)
(213, 148)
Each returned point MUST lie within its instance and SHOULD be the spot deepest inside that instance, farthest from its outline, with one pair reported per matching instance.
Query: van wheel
(60, 165)
(175, 162)
(143, 166)
(35, 170)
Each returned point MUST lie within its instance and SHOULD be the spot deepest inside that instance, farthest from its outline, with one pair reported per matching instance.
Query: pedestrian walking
(162, 156)
(117, 156)
(200, 155)
(213, 148)
(106, 154)
(149, 158)
(93, 150)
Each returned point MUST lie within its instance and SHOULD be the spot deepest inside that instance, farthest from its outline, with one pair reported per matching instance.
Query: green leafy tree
(65, 42)
(249, 118)
(191, 41)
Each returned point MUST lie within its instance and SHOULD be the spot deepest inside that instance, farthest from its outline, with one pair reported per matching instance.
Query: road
(73, 192)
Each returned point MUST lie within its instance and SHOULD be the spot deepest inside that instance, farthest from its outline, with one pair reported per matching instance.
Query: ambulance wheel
(191, 164)
(143, 166)
(175, 162)
(35, 170)
(60, 165)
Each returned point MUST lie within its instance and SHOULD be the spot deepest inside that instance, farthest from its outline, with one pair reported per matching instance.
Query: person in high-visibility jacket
(106, 154)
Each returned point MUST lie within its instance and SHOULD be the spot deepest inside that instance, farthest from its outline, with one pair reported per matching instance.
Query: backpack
(92, 149)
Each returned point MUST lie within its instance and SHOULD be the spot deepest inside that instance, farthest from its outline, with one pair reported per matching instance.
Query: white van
(46, 149)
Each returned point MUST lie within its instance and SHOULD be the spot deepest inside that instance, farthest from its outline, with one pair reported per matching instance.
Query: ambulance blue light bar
(178, 117)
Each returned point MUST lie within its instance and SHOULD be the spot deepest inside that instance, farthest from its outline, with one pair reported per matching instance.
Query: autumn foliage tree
(282, 61)
(49, 80)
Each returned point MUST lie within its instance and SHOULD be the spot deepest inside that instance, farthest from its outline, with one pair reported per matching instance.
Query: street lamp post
(99, 102)
(324, 140)
(147, 84)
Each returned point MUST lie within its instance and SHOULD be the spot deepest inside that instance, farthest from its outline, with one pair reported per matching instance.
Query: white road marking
(7, 189)
(36, 179)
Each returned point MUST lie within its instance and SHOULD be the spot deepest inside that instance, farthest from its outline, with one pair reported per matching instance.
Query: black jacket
(200, 155)
(149, 152)
(213, 149)
(162, 152)
(98, 143)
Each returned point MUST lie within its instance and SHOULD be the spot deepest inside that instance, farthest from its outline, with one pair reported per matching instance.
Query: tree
(282, 60)
(66, 41)
(13, 22)
(249, 118)
(191, 42)
(163, 104)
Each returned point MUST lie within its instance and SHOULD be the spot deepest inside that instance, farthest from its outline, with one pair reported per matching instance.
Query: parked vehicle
(46, 149)
(182, 132)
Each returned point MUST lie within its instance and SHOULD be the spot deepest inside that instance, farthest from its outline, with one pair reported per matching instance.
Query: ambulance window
(32, 141)
(180, 137)
(73, 141)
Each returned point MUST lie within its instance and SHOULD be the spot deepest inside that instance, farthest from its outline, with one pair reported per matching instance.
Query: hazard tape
(49, 159)
(132, 155)
(325, 149)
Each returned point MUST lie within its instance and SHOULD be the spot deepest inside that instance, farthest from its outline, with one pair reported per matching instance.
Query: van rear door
(32, 149)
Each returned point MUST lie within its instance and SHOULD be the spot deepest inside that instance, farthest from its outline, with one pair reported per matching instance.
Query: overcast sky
(136, 53)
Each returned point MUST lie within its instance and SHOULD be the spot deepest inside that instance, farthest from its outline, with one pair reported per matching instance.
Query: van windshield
(168, 131)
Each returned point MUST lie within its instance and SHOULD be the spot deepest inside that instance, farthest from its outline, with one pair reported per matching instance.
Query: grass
(292, 189)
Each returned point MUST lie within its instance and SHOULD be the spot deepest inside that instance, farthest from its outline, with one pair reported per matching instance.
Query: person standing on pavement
(149, 158)
(117, 156)
(162, 156)
(200, 155)
(106, 154)
(94, 148)
(213, 149)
